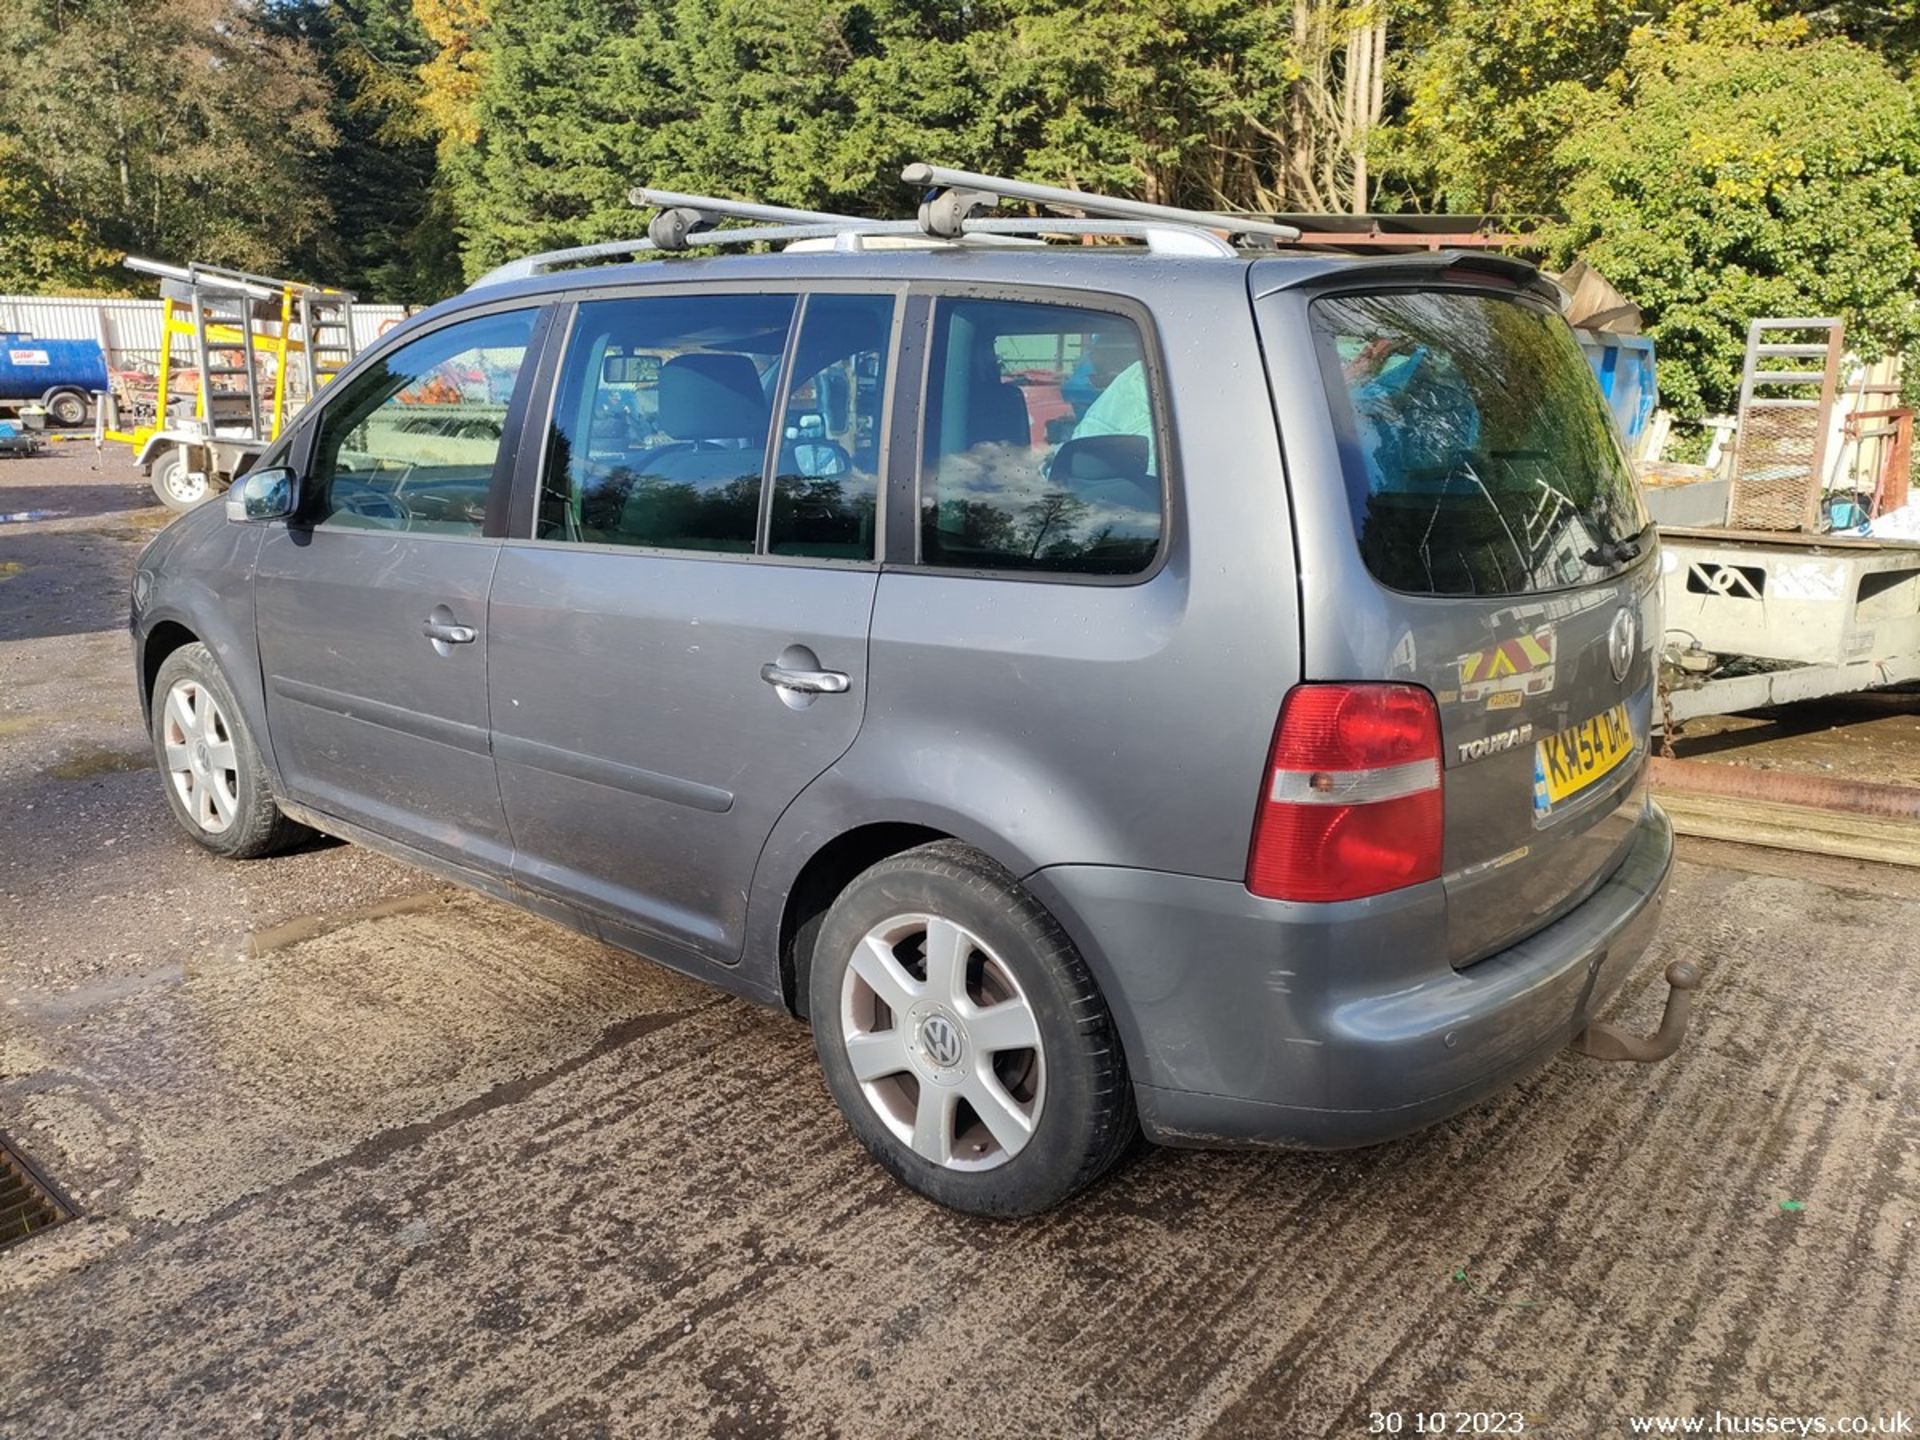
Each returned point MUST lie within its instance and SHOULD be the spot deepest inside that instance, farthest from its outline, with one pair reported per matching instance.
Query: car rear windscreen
(1479, 455)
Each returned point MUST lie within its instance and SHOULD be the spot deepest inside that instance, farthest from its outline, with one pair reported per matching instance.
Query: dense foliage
(1714, 159)
(1735, 169)
(164, 127)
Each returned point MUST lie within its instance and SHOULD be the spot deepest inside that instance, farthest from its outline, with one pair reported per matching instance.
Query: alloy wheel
(943, 1042)
(201, 761)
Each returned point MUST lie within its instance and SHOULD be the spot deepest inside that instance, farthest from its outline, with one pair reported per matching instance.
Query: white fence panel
(130, 329)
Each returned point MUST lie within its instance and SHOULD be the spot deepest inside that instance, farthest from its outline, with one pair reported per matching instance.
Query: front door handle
(448, 633)
(804, 682)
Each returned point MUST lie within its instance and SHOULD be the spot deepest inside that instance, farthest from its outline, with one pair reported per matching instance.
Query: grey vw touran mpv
(1101, 687)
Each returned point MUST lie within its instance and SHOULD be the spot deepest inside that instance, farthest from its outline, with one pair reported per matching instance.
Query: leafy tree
(180, 128)
(1198, 102)
(450, 78)
(392, 238)
(1488, 92)
(1733, 169)
(1243, 103)
(42, 248)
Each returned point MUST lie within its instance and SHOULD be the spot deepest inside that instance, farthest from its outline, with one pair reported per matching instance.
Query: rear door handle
(449, 633)
(805, 682)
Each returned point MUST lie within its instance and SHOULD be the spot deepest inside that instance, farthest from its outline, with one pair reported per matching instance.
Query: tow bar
(1601, 1041)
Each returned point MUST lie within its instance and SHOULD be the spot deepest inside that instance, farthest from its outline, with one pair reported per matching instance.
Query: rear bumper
(1250, 1021)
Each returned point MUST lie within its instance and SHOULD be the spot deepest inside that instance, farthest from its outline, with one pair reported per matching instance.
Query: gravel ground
(443, 1168)
(1873, 736)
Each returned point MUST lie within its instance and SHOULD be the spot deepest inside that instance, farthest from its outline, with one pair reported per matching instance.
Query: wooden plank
(1793, 827)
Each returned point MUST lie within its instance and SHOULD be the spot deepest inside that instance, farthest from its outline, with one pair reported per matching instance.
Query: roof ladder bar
(962, 191)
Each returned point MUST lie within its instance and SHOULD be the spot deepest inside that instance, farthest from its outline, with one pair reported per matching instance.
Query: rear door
(1475, 527)
(371, 606)
(680, 644)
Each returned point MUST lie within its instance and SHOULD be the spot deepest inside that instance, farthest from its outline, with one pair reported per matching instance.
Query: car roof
(1127, 271)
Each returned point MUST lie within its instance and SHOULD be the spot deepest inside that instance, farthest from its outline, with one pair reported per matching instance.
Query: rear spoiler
(1270, 277)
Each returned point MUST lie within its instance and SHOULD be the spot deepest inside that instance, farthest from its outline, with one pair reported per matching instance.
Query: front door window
(411, 443)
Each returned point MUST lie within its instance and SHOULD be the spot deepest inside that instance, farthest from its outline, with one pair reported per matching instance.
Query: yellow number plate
(1567, 763)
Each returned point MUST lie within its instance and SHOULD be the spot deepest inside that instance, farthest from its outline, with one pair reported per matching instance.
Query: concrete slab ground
(443, 1168)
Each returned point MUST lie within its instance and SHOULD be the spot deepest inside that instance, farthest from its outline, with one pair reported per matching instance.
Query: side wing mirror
(263, 495)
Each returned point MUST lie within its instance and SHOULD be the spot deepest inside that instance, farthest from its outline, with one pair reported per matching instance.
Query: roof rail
(958, 194)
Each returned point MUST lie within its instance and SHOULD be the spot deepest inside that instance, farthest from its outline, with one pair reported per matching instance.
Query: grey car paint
(1506, 874)
(1105, 741)
(372, 719)
(642, 759)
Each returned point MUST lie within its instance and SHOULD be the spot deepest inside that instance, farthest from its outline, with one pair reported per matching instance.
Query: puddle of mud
(308, 927)
(97, 760)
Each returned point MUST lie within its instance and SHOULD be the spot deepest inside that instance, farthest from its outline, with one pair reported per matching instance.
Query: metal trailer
(1760, 612)
(1762, 618)
(259, 348)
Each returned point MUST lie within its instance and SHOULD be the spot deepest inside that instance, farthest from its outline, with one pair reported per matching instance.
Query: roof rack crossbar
(1173, 238)
(991, 188)
(700, 210)
(643, 195)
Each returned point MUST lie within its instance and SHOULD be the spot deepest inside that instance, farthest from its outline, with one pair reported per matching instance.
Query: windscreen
(1479, 456)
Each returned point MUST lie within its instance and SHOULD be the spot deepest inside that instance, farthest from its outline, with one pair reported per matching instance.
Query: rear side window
(826, 478)
(661, 424)
(1041, 451)
(411, 442)
(1479, 455)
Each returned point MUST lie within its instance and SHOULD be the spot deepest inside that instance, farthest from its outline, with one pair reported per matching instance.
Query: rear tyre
(964, 1038)
(215, 780)
(175, 482)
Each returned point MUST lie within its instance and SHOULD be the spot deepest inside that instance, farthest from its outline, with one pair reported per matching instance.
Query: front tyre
(216, 782)
(964, 1038)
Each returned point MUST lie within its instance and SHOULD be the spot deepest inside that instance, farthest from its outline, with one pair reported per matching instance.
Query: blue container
(29, 368)
(1624, 366)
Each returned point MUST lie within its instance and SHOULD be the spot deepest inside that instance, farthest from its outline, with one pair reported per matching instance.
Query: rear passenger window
(1041, 450)
(410, 444)
(825, 486)
(660, 429)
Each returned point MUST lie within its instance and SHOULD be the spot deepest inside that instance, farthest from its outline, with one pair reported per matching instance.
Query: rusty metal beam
(1786, 787)
(1456, 240)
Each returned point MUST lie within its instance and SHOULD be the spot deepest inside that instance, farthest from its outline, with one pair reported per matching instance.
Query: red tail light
(1352, 801)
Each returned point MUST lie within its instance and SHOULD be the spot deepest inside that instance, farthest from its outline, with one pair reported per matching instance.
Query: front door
(372, 606)
(681, 646)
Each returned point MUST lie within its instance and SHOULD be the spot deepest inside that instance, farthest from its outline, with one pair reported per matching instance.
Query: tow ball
(1602, 1042)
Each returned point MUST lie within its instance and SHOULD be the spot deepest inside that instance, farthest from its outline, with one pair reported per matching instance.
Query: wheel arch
(162, 640)
(827, 872)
